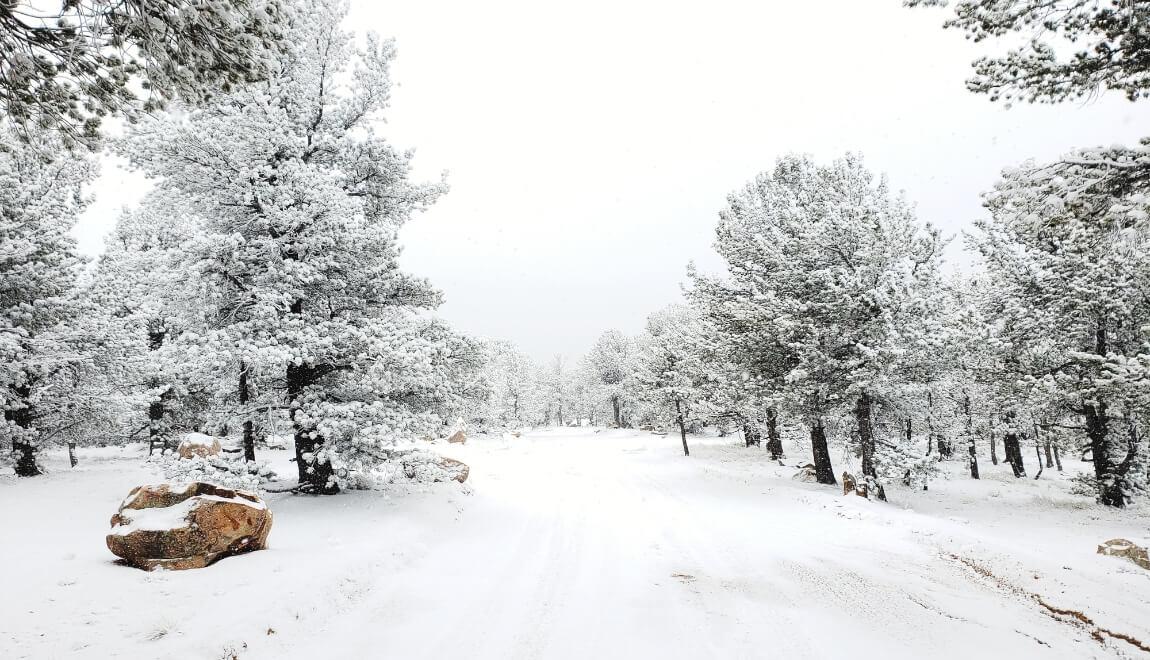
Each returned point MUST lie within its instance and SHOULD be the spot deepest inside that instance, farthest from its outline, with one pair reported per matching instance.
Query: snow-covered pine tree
(554, 387)
(148, 297)
(511, 375)
(39, 201)
(608, 359)
(669, 372)
(81, 60)
(1067, 260)
(1106, 41)
(833, 280)
(301, 202)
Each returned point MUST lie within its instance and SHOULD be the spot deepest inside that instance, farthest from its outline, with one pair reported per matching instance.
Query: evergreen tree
(831, 280)
(39, 200)
(300, 203)
(1067, 264)
(67, 68)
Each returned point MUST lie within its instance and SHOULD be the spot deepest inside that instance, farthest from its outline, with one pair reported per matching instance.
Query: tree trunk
(1038, 453)
(682, 426)
(616, 411)
(971, 448)
(751, 436)
(1111, 478)
(1057, 458)
(1013, 449)
(249, 427)
(1046, 446)
(72, 460)
(993, 446)
(158, 433)
(1110, 482)
(774, 442)
(23, 450)
(824, 473)
(316, 476)
(866, 440)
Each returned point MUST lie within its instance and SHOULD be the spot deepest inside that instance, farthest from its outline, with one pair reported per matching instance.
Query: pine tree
(608, 360)
(668, 370)
(1108, 40)
(68, 68)
(831, 280)
(39, 200)
(1067, 264)
(300, 203)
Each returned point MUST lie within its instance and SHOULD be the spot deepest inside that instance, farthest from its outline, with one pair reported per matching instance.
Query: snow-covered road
(575, 544)
(604, 547)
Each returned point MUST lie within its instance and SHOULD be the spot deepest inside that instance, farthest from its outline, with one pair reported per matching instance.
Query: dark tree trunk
(159, 436)
(26, 465)
(1057, 458)
(249, 427)
(1046, 446)
(24, 451)
(1013, 449)
(616, 411)
(971, 448)
(1038, 453)
(993, 446)
(1111, 477)
(1110, 482)
(751, 436)
(72, 454)
(866, 440)
(774, 442)
(682, 426)
(316, 476)
(824, 473)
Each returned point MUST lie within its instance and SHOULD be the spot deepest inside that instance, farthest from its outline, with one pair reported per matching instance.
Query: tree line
(258, 286)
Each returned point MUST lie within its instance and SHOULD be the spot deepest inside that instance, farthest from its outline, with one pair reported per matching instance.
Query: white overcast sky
(589, 147)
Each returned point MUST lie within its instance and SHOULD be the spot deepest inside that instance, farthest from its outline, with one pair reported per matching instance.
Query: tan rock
(187, 525)
(459, 468)
(1127, 549)
(849, 484)
(459, 437)
(198, 444)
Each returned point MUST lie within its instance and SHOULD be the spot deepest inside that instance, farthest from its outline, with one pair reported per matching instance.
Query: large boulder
(198, 444)
(1127, 549)
(179, 526)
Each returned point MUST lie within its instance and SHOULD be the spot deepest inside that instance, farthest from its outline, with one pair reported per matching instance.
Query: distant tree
(669, 371)
(68, 64)
(1103, 46)
(554, 385)
(608, 359)
(511, 377)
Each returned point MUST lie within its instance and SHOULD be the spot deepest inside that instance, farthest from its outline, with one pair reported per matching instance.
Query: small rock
(460, 469)
(1127, 549)
(198, 444)
(459, 437)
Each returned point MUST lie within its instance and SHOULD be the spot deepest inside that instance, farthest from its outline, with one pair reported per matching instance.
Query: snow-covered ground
(567, 543)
